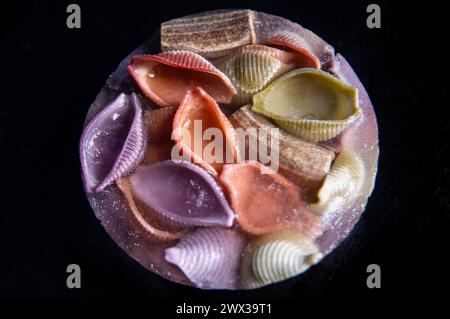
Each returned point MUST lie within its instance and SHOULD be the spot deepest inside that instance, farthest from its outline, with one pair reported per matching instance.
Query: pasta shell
(342, 184)
(157, 227)
(166, 77)
(157, 153)
(159, 124)
(309, 103)
(274, 257)
(210, 35)
(251, 68)
(265, 203)
(295, 43)
(159, 127)
(183, 192)
(197, 114)
(112, 144)
(302, 162)
(209, 257)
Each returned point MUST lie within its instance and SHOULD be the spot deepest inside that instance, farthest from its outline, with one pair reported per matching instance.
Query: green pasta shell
(309, 103)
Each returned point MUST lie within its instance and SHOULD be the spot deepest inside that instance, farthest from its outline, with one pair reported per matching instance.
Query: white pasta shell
(342, 183)
(274, 257)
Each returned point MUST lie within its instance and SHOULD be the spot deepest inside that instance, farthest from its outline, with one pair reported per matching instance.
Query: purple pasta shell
(209, 257)
(182, 192)
(112, 144)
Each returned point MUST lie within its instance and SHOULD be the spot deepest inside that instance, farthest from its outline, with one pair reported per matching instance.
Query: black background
(52, 74)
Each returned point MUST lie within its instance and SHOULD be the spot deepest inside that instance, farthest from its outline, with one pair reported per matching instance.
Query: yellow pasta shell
(342, 183)
(309, 103)
(250, 72)
(275, 257)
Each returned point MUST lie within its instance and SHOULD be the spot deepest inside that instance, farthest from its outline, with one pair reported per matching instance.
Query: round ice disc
(215, 216)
